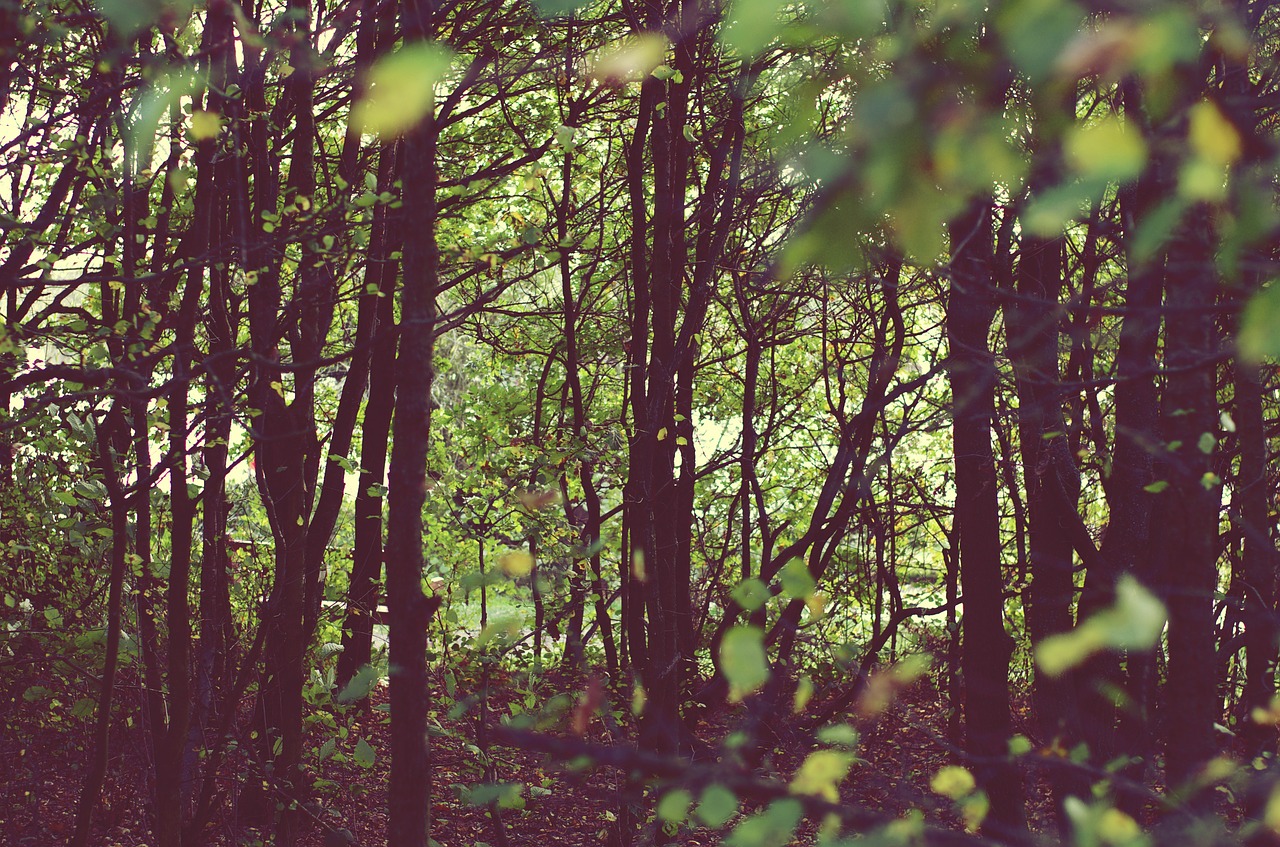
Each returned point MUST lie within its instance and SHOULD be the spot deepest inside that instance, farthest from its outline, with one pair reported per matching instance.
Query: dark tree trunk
(1052, 482)
(987, 646)
(1187, 543)
(410, 610)
(1126, 545)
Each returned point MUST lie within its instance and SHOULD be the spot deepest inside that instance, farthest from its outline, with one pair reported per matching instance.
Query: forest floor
(44, 749)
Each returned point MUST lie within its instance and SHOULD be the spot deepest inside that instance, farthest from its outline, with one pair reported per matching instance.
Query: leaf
(717, 806)
(821, 774)
(132, 15)
(629, 59)
(401, 89)
(662, 434)
(1156, 487)
(674, 806)
(359, 686)
(516, 563)
(774, 827)
(750, 594)
(839, 735)
(1259, 334)
(953, 781)
(205, 124)
(327, 748)
(752, 24)
(796, 580)
(1134, 622)
(558, 8)
(1212, 137)
(1109, 149)
(804, 693)
(364, 754)
(744, 660)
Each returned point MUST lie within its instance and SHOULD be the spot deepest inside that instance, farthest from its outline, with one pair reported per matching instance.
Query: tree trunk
(409, 788)
(987, 646)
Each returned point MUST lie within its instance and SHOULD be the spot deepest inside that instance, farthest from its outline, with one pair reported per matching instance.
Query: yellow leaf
(205, 124)
(1211, 135)
(952, 781)
(821, 773)
(662, 434)
(516, 563)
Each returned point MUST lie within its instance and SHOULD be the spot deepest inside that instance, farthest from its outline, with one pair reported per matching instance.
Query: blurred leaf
(629, 59)
(774, 827)
(1260, 325)
(953, 781)
(821, 774)
(1134, 622)
(129, 16)
(205, 124)
(796, 580)
(674, 806)
(516, 563)
(744, 660)
(360, 685)
(558, 8)
(1109, 149)
(1037, 32)
(751, 25)
(751, 594)
(1211, 135)
(401, 89)
(717, 806)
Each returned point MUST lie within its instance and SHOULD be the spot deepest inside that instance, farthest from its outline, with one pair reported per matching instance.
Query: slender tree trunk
(1189, 508)
(409, 789)
(106, 463)
(987, 646)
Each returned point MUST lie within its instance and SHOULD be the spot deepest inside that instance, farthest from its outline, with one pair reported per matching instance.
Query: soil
(45, 748)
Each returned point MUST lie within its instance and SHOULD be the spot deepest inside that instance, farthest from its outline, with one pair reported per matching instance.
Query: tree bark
(987, 646)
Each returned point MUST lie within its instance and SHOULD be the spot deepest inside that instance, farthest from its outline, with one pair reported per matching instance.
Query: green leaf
(129, 16)
(401, 89)
(717, 806)
(205, 124)
(1037, 31)
(359, 686)
(1156, 487)
(1259, 335)
(364, 754)
(327, 748)
(744, 660)
(839, 735)
(752, 24)
(674, 806)
(751, 594)
(774, 827)
(1134, 622)
(796, 580)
